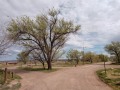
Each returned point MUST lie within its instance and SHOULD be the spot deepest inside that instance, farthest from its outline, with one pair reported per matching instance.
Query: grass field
(112, 77)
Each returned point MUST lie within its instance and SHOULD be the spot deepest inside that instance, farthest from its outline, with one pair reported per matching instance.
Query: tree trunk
(91, 61)
(118, 59)
(49, 65)
(43, 65)
(76, 63)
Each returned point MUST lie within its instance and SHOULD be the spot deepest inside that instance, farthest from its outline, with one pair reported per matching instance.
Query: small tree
(89, 56)
(23, 57)
(74, 56)
(114, 49)
(103, 58)
(46, 33)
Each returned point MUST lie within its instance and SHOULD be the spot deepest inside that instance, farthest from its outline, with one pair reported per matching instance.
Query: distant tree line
(75, 56)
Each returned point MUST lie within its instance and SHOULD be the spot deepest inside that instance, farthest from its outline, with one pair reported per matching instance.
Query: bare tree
(47, 33)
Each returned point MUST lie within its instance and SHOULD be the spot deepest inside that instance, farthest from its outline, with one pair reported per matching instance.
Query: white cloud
(100, 19)
(15, 49)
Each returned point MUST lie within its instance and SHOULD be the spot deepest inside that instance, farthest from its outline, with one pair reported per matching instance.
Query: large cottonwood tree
(47, 33)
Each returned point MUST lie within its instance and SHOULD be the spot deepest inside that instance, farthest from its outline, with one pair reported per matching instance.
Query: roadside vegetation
(7, 85)
(9, 77)
(111, 77)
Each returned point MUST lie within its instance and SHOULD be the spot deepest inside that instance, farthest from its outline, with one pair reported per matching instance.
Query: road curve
(74, 78)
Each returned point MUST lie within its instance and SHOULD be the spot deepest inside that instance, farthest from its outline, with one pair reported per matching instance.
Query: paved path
(74, 78)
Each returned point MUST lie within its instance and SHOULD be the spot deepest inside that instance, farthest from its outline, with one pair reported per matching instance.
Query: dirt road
(74, 78)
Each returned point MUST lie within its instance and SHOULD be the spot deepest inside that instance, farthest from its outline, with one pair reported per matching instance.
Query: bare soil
(73, 78)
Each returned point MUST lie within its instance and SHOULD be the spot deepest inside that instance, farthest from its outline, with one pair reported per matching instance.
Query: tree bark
(118, 59)
(49, 65)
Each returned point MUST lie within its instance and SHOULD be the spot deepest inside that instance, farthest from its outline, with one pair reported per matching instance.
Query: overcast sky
(99, 20)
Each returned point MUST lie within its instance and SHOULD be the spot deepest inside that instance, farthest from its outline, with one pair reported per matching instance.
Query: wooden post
(105, 67)
(5, 75)
(12, 75)
(104, 64)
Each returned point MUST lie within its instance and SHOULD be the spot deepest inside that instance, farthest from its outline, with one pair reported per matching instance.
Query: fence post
(9, 74)
(12, 75)
(5, 75)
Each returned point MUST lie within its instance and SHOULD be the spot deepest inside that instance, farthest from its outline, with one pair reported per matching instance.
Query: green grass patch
(112, 78)
(38, 69)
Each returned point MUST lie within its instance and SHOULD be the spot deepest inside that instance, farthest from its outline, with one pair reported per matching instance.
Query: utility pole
(104, 60)
(104, 64)
(83, 53)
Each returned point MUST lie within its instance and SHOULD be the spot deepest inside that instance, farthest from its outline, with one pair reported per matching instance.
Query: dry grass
(112, 77)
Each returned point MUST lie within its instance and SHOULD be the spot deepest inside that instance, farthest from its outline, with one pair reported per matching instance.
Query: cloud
(116, 38)
(99, 19)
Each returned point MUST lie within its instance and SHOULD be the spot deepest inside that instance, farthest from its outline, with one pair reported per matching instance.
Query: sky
(99, 20)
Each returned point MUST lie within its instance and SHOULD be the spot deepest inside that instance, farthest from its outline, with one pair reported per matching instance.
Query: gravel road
(73, 78)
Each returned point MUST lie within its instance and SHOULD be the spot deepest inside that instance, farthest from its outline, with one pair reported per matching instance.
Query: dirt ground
(73, 78)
